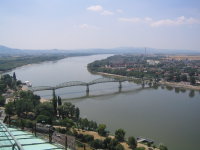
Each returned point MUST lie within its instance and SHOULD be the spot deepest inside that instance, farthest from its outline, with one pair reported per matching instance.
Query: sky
(83, 24)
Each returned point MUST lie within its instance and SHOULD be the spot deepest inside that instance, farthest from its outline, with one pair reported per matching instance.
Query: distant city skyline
(83, 24)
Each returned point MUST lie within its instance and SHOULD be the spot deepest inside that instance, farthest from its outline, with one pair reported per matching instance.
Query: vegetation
(162, 147)
(120, 134)
(132, 142)
(101, 129)
(9, 62)
(2, 101)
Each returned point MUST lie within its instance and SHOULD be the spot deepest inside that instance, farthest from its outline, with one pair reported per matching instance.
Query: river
(166, 115)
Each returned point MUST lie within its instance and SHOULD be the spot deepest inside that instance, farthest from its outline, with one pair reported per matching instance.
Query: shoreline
(172, 84)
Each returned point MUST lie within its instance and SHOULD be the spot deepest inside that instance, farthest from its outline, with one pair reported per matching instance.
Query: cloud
(133, 20)
(101, 10)
(163, 22)
(119, 11)
(87, 26)
(107, 13)
(97, 8)
(178, 21)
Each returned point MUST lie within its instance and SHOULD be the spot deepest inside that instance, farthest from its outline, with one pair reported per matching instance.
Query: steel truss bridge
(87, 84)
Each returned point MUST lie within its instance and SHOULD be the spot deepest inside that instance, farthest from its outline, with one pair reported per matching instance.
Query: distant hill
(121, 50)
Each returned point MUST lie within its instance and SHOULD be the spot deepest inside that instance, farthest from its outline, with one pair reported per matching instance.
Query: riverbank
(183, 85)
(99, 137)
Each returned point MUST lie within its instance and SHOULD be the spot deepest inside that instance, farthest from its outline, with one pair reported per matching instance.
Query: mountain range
(121, 50)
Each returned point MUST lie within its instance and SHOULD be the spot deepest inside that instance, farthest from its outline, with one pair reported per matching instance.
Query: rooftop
(15, 139)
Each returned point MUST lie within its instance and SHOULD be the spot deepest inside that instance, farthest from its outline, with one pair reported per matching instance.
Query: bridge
(87, 84)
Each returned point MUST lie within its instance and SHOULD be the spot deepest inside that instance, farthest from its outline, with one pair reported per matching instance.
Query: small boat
(28, 83)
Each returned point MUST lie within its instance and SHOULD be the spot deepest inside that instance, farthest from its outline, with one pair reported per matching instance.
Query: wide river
(166, 115)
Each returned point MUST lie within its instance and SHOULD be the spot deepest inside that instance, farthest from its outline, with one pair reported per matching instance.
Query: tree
(23, 106)
(113, 143)
(77, 113)
(43, 119)
(97, 144)
(106, 142)
(119, 134)
(29, 96)
(67, 110)
(59, 101)
(45, 109)
(132, 142)
(192, 80)
(101, 129)
(119, 147)
(10, 109)
(54, 101)
(2, 101)
(183, 77)
(68, 123)
(14, 76)
(163, 147)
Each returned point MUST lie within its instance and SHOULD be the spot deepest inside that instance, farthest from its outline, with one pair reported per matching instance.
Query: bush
(119, 147)
(132, 142)
(119, 134)
(88, 138)
(2, 101)
(43, 119)
(97, 144)
(163, 147)
(140, 148)
(101, 129)
(29, 124)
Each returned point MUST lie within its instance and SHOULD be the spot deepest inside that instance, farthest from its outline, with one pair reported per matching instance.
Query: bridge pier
(120, 86)
(53, 93)
(87, 90)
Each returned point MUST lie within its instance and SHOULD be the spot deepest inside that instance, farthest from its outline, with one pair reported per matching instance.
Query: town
(160, 67)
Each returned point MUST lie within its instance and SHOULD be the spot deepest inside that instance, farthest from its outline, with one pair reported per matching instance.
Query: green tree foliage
(97, 144)
(23, 106)
(101, 129)
(9, 62)
(59, 101)
(43, 119)
(140, 148)
(183, 78)
(68, 110)
(10, 108)
(163, 147)
(192, 80)
(2, 101)
(29, 96)
(45, 109)
(67, 122)
(54, 101)
(113, 144)
(86, 124)
(77, 113)
(119, 147)
(14, 76)
(120, 134)
(132, 142)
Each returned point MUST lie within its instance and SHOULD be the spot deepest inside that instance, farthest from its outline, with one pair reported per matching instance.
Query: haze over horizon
(64, 24)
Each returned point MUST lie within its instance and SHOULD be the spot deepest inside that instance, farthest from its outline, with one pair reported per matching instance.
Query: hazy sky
(75, 24)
